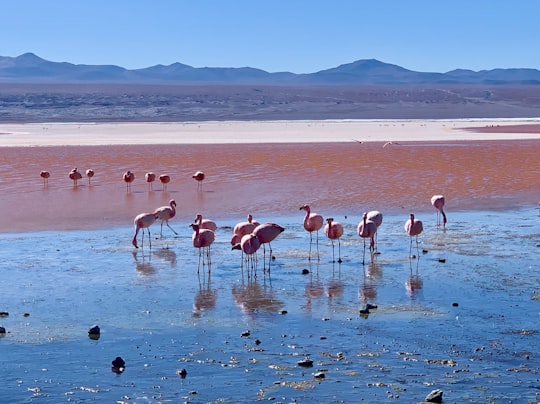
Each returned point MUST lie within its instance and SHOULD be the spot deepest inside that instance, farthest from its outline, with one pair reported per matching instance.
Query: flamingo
(202, 238)
(143, 221)
(243, 228)
(165, 179)
(413, 227)
(75, 176)
(367, 229)
(45, 175)
(165, 213)
(266, 233)
(89, 173)
(376, 217)
(312, 223)
(129, 177)
(150, 177)
(205, 223)
(199, 177)
(438, 202)
(249, 244)
(334, 230)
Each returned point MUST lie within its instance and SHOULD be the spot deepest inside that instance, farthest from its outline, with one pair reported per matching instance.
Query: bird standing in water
(334, 230)
(413, 227)
(202, 239)
(150, 177)
(165, 213)
(75, 175)
(45, 175)
(438, 202)
(128, 177)
(199, 177)
(143, 221)
(313, 222)
(367, 229)
(89, 173)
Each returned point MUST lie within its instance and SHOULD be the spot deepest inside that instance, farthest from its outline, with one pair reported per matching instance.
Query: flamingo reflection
(206, 297)
(253, 297)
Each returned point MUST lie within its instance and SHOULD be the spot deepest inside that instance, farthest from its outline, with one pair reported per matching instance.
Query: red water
(263, 179)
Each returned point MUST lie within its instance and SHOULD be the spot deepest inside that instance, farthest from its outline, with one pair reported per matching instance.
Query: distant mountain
(29, 68)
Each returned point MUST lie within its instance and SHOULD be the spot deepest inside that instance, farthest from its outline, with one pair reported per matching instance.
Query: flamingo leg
(339, 250)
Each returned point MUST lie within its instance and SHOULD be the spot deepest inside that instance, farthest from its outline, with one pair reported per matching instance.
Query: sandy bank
(35, 134)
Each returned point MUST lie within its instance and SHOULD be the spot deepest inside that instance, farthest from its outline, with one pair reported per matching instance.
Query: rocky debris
(305, 363)
(182, 373)
(245, 334)
(4, 314)
(435, 396)
(2, 331)
(319, 375)
(118, 365)
(94, 332)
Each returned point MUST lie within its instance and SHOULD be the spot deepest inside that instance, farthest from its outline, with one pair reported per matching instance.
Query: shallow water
(462, 317)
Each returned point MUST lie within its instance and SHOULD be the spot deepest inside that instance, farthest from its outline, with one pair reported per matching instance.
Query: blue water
(469, 325)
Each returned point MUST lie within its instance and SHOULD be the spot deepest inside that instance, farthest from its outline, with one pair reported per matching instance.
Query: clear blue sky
(300, 36)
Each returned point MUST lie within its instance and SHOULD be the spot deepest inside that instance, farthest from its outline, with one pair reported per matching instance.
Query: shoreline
(249, 132)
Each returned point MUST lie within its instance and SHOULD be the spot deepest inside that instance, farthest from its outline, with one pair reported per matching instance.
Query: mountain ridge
(29, 67)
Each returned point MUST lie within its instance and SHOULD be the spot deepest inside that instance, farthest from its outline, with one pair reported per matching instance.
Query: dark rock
(2, 330)
(26, 314)
(118, 365)
(305, 271)
(283, 312)
(319, 375)
(435, 396)
(455, 304)
(370, 306)
(94, 331)
(257, 342)
(181, 373)
(4, 314)
(245, 334)
(305, 363)
(443, 260)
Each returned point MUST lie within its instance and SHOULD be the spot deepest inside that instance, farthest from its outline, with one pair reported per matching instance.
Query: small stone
(370, 306)
(257, 341)
(118, 365)
(2, 330)
(283, 312)
(442, 260)
(455, 304)
(319, 375)
(4, 314)
(305, 271)
(435, 396)
(424, 251)
(245, 334)
(26, 314)
(305, 363)
(181, 373)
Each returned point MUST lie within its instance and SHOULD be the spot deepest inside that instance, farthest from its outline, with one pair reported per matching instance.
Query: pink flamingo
(199, 177)
(202, 239)
(266, 233)
(249, 244)
(128, 177)
(89, 173)
(312, 223)
(150, 177)
(165, 179)
(243, 228)
(334, 230)
(143, 221)
(75, 175)
(438, 202)
(376, 217)
(205, 223)
(367, 229)
(413, 227)
(165, 213)
(45, 175)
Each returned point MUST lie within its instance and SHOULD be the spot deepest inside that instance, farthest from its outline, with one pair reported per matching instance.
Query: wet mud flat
(462, 316)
